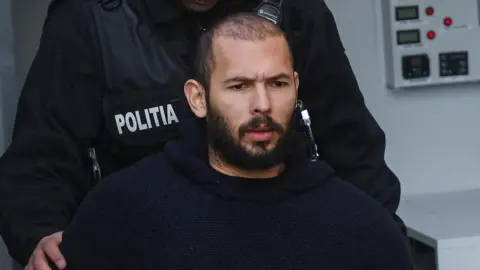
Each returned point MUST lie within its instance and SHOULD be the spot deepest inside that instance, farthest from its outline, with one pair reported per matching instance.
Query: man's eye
(279, 84)
(238, 86)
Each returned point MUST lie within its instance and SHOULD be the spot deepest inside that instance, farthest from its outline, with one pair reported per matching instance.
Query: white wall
(7, 89)
(20, 25)
(6, 65)
(433, 136)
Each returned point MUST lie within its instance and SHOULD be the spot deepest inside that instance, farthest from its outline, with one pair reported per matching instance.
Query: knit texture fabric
(173, 211)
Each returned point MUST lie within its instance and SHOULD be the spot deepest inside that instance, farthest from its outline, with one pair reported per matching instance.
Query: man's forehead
(233, 77)
(255, 68)
(225, 40)
(227, 48)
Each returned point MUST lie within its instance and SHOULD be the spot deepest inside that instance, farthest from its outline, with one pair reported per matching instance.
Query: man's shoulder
(366, 227)
(133, 180)
(129, 189)
(351, 209)
(67, 17)
(140, 172)
(129, 185)
(353, 205)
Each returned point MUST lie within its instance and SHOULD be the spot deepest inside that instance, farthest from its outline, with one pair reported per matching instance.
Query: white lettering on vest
(131, 123)
(135, 122)
(141, 126)
(154, 112)
(162, 114)
(171, 116)
(120, 120)
(147, 116)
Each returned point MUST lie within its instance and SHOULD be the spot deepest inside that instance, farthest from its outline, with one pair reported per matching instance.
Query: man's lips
(260, 134)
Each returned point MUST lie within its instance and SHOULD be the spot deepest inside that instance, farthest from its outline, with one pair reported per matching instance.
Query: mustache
(264, 121)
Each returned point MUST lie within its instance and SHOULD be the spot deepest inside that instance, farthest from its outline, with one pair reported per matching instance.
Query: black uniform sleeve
(44, 173)
(347, 135)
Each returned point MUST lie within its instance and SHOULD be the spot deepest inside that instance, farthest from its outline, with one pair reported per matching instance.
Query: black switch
(415, 66)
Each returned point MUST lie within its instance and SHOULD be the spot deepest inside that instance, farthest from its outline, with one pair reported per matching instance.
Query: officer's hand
(47, 248)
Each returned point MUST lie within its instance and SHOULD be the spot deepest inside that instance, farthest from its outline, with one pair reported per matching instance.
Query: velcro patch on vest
(153, 117)
(143, 117)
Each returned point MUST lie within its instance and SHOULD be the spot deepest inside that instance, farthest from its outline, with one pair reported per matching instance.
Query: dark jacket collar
(189, 156)
(163, 11)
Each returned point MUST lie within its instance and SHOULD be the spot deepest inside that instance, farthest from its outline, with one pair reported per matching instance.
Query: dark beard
(223, 143)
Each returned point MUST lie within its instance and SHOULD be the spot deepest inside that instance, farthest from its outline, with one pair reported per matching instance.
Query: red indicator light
(447, 21)
(429, 11)
(431, 34)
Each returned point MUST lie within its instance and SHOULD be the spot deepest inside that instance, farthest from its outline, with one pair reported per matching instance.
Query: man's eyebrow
(250, 79)
(284, 76)
(239, 79)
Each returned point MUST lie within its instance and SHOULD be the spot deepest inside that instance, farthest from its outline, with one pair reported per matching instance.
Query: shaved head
(240, 26)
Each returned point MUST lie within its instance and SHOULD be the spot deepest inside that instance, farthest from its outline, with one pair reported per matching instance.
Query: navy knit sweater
(173, 211)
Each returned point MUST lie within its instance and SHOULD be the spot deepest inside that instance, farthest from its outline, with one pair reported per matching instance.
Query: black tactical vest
(143, 103)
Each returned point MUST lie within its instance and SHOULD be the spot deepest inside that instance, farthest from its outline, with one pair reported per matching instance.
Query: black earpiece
(270, 10)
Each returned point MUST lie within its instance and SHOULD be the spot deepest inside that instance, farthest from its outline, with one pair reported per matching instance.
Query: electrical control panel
(431, 42)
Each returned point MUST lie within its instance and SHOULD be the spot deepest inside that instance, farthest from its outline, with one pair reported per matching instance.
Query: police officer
(105, 90)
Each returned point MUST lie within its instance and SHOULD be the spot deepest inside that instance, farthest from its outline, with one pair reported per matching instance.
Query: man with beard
(236, 191)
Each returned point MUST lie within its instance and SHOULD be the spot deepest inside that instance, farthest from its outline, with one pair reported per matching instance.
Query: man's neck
(222, 167)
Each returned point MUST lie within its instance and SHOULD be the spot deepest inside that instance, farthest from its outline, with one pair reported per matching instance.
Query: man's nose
(261, 100)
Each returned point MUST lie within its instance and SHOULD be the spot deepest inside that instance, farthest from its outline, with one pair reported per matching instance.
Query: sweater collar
(190, 156)
(164, 11)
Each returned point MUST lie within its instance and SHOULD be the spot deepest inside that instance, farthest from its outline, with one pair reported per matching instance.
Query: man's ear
(296, 79)
(196, 97)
